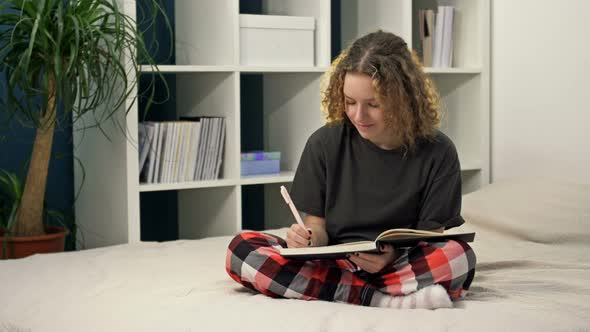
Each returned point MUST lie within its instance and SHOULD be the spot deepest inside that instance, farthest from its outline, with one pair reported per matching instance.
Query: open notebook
(399, 237)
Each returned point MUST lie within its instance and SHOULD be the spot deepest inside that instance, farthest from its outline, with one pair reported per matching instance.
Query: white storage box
(270, 40)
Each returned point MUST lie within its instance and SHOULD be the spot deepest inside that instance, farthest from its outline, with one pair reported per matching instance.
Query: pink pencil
(289, 202)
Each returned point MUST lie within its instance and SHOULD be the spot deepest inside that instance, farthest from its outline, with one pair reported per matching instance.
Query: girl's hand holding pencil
(298, 235)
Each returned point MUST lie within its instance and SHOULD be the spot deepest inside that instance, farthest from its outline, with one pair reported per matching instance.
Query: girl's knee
(241, 237)
(461, 252)
(254, 239)
(452, 251)
(246, 252)
(238, 250)
(462, 260)
(245, 243)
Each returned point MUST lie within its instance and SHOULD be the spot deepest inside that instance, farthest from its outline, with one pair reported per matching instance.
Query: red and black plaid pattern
(253, 260)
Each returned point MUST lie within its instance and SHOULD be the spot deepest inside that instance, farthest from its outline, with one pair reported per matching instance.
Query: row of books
(177, 151)
(436, 36)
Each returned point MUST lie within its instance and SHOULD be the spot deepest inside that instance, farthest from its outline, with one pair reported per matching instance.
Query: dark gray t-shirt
(362, 190)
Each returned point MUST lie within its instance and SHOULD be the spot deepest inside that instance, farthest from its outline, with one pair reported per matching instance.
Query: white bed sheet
(526, 280)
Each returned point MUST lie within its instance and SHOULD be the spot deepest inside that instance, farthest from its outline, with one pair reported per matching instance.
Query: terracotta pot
(19, 247)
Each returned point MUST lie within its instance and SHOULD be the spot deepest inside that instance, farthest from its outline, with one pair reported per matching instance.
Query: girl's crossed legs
(253, 260)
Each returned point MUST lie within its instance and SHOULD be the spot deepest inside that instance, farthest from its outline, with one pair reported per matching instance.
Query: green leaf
(10, 195)
(81, 42)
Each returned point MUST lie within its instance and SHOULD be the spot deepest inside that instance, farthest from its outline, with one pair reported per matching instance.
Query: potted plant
(11, 187)
(77, 55)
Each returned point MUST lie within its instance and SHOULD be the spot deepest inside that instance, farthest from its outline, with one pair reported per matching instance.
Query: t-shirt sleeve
(441, 200)
(308, 190)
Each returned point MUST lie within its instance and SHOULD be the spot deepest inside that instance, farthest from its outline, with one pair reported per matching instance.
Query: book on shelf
(154, 165)
(221, 144)
(209, 155)
(171, 152)
(145, 142)
(142, 133)
(190, 149)
(159, 154)
(447, 44)
(398, 238)
(193, 151)
(182, 151)
(202, 145)
(150, 163)
(426, 31)
(442, 47)
(166, 160)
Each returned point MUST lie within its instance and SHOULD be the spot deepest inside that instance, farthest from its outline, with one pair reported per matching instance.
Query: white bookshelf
(241, 69)
(434, 71)
(208, 72)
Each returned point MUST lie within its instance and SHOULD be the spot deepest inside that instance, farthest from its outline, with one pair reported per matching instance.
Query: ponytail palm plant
(80, 56)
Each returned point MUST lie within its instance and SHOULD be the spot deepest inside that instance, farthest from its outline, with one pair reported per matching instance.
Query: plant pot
(19, 247)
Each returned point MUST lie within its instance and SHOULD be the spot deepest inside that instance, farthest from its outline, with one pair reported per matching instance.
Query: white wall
(541, 89)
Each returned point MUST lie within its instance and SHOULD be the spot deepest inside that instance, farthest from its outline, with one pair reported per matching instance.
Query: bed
(532, 275)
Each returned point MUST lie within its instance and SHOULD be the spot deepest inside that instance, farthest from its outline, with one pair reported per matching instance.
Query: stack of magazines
(180, 151)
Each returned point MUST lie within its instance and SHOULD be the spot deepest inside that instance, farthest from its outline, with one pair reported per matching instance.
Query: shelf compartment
(468, 30)
(263, 207)
(209, 212)
(365, 16)
(213, 94)
(464, 107)
(292, 113)
(230, 68)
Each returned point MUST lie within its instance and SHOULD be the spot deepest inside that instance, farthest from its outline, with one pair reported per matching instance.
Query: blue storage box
(253, 167)
(259, 162)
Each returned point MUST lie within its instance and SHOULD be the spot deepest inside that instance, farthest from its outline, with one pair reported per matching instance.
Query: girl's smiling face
(365, 112)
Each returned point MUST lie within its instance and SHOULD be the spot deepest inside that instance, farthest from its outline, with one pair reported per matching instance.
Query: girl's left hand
(374, 263)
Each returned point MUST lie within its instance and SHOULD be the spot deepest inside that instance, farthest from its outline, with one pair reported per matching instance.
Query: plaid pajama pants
(253, 260)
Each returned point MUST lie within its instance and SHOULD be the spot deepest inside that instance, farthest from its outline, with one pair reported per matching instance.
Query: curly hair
(403, 90)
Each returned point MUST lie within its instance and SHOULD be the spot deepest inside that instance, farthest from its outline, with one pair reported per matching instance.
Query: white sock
(431, 297)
